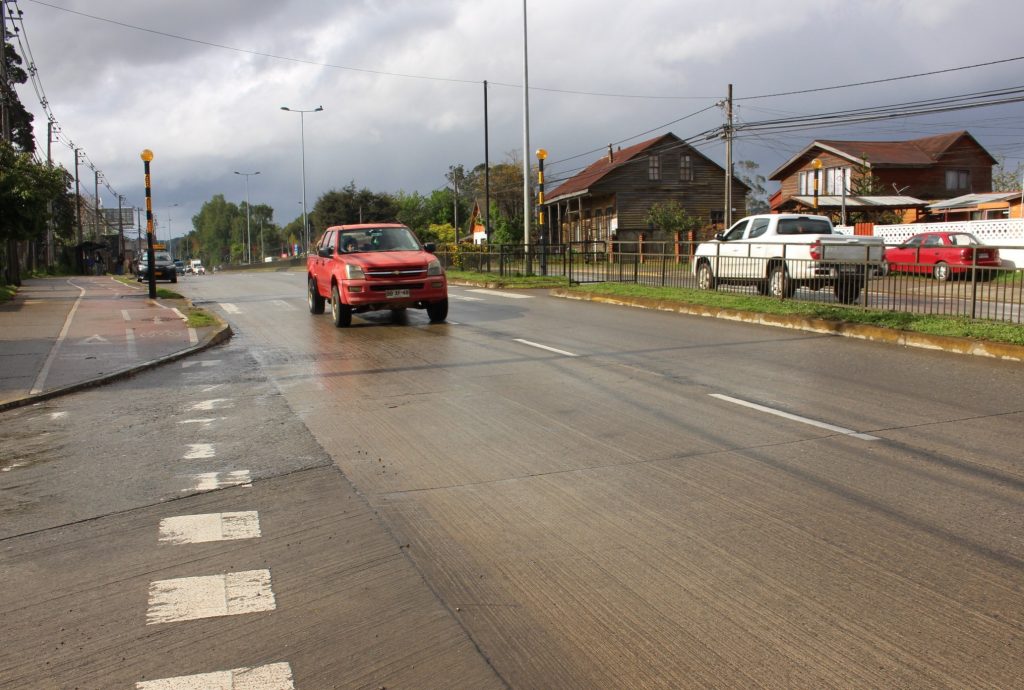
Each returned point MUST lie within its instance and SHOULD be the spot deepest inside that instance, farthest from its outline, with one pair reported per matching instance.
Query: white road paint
(199, 451)
(545, 347)
(200, 363)
(281, 304)
(230, 308)
(125, 315)
(796, 418)
(195, 529)
(209, 481)
(14, 465)
(180, 315)
(210, 404)
(499, 293)
(192, 598)
(58, 415)
(213, 387)
(95, 340)
(129, 339)
(206, 422)
(37, 387)
(269, 677)
(465, 298)
(193, 337)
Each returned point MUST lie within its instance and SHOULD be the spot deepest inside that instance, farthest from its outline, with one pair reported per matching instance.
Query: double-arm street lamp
(302, 134)
(248, 235)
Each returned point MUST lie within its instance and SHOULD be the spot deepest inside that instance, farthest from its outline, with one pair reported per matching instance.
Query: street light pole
(302, 134)
(248, 234)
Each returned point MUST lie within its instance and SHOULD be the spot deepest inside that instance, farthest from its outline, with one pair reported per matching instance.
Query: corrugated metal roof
(970, 200)
(862, 201)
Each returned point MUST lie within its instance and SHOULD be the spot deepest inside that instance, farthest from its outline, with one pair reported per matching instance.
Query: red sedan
(943, 254)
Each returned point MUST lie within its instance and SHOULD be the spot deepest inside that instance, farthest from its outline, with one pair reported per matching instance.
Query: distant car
(163, 267)
(179, 266)
(196, 267)
(942, 254)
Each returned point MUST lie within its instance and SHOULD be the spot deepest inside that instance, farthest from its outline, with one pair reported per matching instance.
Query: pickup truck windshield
(803, 226)
(377, 240)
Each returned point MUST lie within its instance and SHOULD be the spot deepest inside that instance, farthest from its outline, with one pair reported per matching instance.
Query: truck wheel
(941, 271)
(313, 298)
(848, 290)
(341, 313)
(705, 277)
(437, 311)
(779, 284)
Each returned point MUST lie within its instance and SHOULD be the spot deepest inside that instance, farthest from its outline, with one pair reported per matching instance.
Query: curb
(221, 335)
(963, 346)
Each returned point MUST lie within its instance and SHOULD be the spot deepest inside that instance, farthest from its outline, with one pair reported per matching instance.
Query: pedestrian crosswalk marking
(210, 404)
(230, 308)
(499, 293)
(208, 481)
(195, 529)
(199, 451)
(208, 596)
(269, 677)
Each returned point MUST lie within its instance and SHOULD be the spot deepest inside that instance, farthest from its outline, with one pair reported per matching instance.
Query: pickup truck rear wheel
(341, 313)
(313, 298)
(437, 311)
(847, 290)
(779, 284)
(705, 277)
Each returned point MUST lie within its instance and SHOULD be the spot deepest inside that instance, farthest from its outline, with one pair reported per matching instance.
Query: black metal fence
(965, 289)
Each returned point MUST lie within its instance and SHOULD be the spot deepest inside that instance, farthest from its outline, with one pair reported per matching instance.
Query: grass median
(928, 324)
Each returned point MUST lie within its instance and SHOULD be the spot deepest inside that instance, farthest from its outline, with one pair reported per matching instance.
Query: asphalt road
(579, 495)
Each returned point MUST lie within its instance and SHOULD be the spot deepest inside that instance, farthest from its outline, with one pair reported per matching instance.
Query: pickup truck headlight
(354, 271)
(434, 268)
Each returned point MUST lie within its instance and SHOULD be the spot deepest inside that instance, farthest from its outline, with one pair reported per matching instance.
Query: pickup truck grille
(397, 286)
(392, 273)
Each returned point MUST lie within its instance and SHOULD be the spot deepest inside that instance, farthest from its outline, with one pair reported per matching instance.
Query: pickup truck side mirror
(720, 236)
(430, 247)
(325, 252)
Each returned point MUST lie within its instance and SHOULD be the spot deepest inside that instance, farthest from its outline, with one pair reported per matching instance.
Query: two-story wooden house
(937, 167)
(610, 198)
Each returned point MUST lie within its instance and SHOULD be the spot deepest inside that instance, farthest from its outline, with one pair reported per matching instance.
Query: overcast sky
(201, 84)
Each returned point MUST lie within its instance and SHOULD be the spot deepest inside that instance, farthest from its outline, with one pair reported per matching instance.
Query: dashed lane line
(209, 596)
(545, 347)
(499, 293)
(269, 677)
(796, 418)
(207, 527)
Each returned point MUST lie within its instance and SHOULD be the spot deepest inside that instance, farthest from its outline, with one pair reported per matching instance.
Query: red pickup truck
(361, 268)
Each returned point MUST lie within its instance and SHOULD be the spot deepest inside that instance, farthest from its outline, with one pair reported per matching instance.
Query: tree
(218, 231)
(349, 205)
(27, 190)
(1004, 180)
(20, 119)
(757, 197)
(671, 217)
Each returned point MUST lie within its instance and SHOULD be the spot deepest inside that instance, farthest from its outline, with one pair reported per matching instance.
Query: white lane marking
(94, 339)
(14, 465)
(195, 529)
(280, 303)
(209, 404)
(269, 677)
(125, 315)
(545, 347)
(213, 387)
(499, 293)
(193, 337)
(230, 308)
(796, 418)
(464, 298)
(58, 415)
(206, 422)
(37, 387)
(199, 451)
(180, 315)
(209, 481)
(200, 363)
(192, 598)
(129, 338)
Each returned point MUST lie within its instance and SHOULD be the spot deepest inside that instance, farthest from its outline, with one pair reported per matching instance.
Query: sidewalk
(60, 335)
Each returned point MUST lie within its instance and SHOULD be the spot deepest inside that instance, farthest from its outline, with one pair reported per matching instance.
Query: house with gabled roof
(611, 197)
(930, 168)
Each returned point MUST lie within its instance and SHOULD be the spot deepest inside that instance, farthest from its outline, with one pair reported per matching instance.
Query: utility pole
(78, 208)
(487, 174)
(5, 116)
(728, 159)
(526, 148)
(50, 255)
(96, 189)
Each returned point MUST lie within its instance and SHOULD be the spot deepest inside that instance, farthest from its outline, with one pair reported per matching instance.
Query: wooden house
(937, 167)
(611, 197)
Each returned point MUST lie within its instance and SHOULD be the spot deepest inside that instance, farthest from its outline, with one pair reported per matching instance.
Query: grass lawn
(7, 292)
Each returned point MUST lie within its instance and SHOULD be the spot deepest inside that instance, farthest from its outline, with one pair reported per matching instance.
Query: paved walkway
(61, 334)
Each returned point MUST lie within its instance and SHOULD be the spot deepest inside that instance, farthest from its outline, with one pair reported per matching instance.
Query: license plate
(394, 294)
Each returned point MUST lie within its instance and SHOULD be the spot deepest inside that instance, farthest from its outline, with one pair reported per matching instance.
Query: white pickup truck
(780, 252)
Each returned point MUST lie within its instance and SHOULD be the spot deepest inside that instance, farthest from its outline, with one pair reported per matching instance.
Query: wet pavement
(59, 335)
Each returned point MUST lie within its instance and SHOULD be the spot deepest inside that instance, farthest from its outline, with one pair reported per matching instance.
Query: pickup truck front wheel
(341, 313)
(779, 284)
(437, 311)
(705, 277)
(313, 298)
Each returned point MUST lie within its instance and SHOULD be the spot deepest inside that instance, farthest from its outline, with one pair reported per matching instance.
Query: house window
(835, 179)
(685, 168)
(717, 217)
(654, 167)
(958, 179)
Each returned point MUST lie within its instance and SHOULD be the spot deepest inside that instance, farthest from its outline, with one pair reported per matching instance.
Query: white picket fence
(1007, 234)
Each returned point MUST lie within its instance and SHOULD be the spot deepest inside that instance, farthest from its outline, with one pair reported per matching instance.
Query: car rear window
(804, 226)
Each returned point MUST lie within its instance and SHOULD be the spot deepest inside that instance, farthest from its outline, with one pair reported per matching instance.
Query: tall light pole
(248, 235)
(302, 134)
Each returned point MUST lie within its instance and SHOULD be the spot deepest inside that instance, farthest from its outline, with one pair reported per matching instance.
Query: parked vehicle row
(943, 255)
